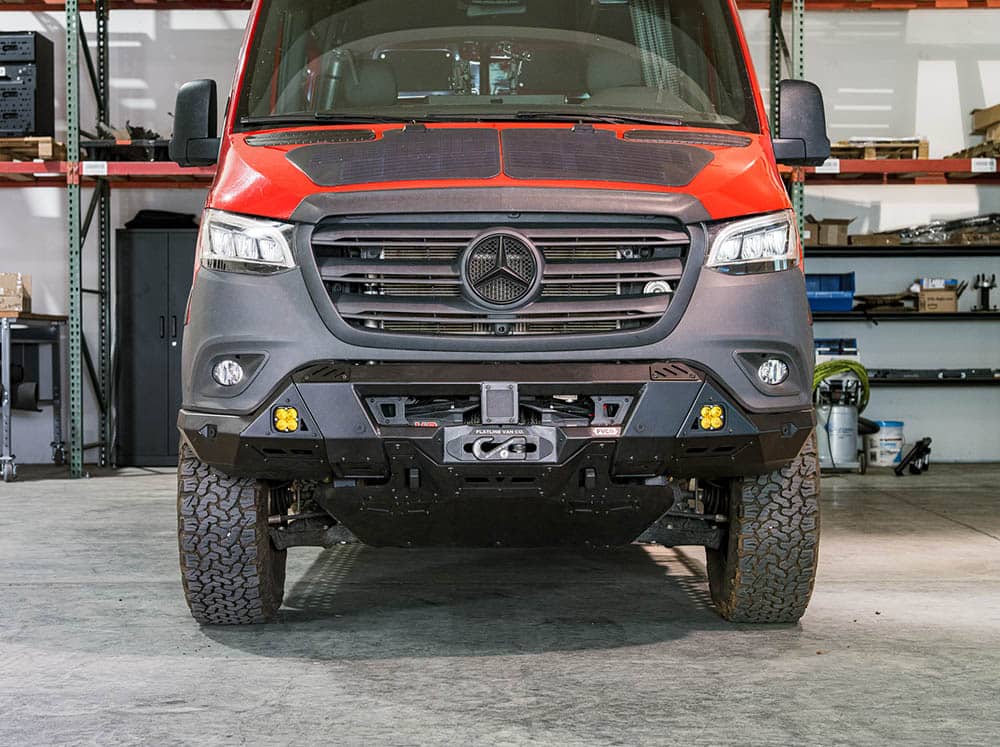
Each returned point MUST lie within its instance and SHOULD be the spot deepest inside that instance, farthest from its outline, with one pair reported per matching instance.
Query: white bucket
(885, 448)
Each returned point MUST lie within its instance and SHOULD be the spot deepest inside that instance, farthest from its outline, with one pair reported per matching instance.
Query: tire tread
(768, 572)
(231, 573)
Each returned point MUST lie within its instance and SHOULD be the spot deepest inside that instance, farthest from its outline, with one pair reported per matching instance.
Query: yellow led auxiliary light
(713, 418)
(286, 419)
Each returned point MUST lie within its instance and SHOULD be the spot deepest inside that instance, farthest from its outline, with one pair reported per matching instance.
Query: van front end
(459, 291)
(404, 407)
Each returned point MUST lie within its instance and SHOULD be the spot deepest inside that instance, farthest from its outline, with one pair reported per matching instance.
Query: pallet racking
(75, 175)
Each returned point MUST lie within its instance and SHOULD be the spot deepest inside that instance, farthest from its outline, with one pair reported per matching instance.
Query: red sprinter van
(497, 273)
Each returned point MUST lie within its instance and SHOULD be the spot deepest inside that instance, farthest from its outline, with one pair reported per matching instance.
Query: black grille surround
(417, 278)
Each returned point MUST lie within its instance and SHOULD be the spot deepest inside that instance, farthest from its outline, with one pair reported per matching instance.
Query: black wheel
(766, 566)
(231, 572)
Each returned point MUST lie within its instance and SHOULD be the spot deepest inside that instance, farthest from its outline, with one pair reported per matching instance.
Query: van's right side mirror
(802, 139)
(195, 141)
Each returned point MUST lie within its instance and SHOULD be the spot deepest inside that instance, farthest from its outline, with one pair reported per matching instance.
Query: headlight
(765, 244)
(235, 243)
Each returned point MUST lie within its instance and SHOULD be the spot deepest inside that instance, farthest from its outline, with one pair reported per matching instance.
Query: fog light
(227, 373)
(773, 371)
(713, 417)
(286, 419)
(657, 286)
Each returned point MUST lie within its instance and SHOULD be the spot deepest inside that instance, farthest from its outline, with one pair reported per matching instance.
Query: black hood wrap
(413, 154)
(529, 154)
(586, 154)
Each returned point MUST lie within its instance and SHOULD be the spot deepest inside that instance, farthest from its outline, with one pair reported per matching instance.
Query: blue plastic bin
(830, 292)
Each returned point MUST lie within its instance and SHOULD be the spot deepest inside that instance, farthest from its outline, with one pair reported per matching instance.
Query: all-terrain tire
(766, 567)
(232, 574)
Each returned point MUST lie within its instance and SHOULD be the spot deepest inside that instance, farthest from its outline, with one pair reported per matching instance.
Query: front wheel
(765, 568)
(231, 572)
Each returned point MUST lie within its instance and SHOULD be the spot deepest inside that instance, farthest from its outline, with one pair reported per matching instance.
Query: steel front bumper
(534, 474)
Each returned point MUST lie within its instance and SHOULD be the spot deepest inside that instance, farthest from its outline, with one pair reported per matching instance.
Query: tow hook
(486, 449)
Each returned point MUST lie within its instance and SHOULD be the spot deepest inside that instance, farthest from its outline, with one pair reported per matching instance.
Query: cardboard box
(810, 232)
(976, 237)
(875, 239)
(826, 232)
(944, 300)
(15, 292)
(984, 119)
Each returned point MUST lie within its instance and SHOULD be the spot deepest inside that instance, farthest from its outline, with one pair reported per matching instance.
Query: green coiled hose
(829, 369)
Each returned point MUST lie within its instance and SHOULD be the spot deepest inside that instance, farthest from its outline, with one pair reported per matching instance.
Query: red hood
(260, 180)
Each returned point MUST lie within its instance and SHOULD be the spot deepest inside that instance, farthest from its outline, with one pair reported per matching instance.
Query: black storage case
(153, 273)
(27, 78)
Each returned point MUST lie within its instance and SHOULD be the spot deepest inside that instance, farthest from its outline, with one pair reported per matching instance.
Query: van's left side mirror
(802, 139)
(195, 141)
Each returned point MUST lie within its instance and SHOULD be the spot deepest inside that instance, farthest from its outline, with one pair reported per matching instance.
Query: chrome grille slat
(434, 328)
(357, 304)
(420, 291)
(557, 254)
(589, 288)
(620, 241)
(667, 268)
(393, 281)
(410, 281)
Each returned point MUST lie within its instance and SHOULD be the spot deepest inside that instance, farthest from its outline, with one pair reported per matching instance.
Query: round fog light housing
(657, 287)
(773, 372)
(227, 372)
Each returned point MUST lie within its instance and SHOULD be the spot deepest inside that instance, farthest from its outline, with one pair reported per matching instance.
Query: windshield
(667, 61)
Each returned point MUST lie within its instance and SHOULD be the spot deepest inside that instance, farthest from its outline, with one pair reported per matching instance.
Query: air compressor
(840, 394)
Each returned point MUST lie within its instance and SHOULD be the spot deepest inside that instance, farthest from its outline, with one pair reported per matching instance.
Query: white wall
(885, 73)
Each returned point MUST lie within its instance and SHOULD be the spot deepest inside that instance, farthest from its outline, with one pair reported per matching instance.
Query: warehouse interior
(501, 646)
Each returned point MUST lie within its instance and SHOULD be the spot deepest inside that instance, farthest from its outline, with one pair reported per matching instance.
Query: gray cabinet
(153, 278)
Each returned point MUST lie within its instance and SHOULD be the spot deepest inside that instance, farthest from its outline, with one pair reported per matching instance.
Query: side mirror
(801, 139)
(195, 141)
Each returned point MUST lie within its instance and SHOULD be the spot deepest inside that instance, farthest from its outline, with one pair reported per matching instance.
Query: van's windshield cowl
(666, 62)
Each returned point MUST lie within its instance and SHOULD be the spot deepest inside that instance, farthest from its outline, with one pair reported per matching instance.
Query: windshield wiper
(604, 118)
(324, 117)
(278, 120)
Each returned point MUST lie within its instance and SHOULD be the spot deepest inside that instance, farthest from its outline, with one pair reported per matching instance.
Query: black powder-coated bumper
(405, 484)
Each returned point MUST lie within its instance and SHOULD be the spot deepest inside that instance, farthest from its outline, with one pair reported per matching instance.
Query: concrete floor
(901, 643)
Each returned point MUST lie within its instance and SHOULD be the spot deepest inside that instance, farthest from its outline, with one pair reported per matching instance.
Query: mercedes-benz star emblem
(501, 269)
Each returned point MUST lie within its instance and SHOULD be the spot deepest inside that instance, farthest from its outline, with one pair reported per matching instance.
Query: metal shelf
(33, 174)
(43, 5)
(932, 171)
(813, 5)
(906, 250)
(926, 382)
(905, 316)
(118, 175)
(66, 175)
(101, 177)
(853, 172)
(866, 5)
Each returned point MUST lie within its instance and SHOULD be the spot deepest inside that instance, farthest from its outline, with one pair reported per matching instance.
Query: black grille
(407, 279)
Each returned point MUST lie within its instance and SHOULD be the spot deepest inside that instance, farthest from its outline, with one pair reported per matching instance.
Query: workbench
(32, 329)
